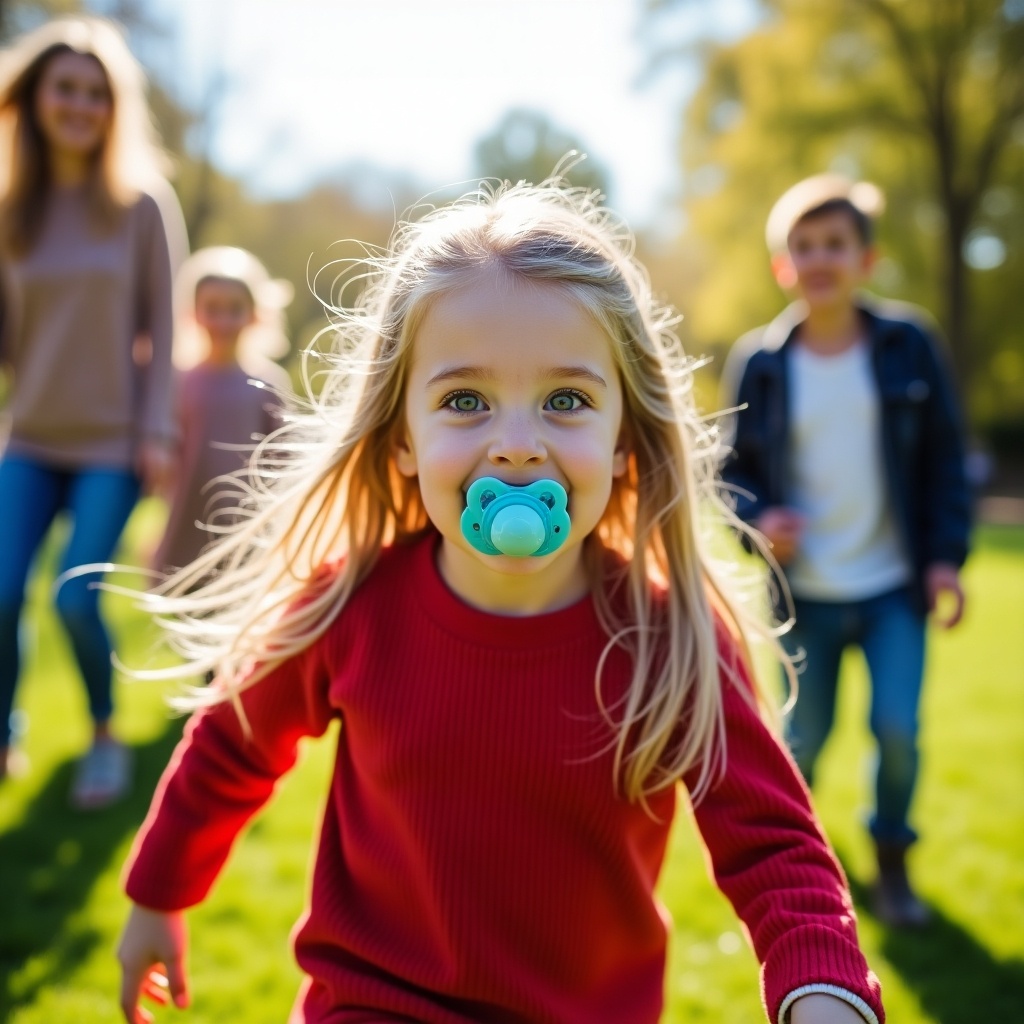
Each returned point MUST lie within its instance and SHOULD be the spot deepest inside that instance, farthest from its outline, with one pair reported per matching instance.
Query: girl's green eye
(565, 401)
(466, 403)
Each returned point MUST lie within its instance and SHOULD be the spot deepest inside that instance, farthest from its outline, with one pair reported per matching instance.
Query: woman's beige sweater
(87, 336)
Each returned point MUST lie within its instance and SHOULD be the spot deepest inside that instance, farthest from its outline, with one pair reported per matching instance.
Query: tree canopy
(526, 145)
(924, 98)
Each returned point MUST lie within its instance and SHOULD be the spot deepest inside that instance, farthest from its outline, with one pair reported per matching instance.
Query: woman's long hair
(129, 159)
(324, 487)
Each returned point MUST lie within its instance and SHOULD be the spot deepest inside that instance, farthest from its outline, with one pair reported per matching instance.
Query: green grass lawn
(61, 906)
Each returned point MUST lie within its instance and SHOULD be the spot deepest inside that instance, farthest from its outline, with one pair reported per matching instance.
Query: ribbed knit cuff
(817, 956)
(828, 990)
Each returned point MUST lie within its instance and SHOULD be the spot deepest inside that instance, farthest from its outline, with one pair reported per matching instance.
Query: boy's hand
(820, 1008)
(152, 955)
(944, 593)
(782, 528)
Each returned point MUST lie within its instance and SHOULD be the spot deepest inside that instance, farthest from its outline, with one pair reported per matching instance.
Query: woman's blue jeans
(99, 501)
(891, 633)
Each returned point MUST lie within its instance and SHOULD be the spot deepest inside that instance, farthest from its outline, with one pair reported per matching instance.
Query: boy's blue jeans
(99, 501)
(891, 633)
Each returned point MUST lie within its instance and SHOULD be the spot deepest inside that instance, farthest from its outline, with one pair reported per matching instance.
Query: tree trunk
(958, 305)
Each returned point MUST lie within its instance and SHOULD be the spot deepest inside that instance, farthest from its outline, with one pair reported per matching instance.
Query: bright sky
(410, 85)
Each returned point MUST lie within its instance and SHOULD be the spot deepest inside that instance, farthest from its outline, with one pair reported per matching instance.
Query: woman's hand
(152, 955)
(154, 464)
(782, 528)
(820, 1008)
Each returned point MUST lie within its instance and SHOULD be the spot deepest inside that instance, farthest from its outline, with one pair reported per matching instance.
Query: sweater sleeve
(947, 503)
(155, 321)
(219, 775)
(770, 858)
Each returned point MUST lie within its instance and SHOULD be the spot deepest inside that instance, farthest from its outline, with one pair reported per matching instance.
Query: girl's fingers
(132, 977)
(151, 983)
(155, 988)
(177, 982)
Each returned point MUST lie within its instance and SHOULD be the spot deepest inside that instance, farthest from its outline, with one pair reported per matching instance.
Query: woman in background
(85, 279)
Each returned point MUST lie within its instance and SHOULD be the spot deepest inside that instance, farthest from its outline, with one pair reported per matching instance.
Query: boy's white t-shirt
(850, 548)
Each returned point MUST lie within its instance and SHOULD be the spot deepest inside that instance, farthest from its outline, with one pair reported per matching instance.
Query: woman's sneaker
(13, 762)
(102, 777)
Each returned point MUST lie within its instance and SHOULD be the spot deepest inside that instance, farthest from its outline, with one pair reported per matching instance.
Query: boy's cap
(811, 193)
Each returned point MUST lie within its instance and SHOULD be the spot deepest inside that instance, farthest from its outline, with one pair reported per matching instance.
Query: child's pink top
(474, 861)
(221, 415)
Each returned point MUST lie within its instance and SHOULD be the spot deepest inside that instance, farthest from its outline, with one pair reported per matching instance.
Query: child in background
(849, 459)
(516, 719)
(230, 329)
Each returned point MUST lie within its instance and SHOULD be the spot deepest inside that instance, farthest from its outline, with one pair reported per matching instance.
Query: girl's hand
(820, 1008)
(152, 955)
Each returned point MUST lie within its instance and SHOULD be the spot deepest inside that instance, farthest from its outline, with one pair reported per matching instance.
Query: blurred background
(300, 126)
(295, 125)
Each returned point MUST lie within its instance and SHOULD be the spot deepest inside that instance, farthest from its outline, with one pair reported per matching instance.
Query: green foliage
(927, 100)
(62, 908)
(18, 16)
(527, 146)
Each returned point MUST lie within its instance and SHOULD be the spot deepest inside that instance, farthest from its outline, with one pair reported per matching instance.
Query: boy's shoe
(893, 901)
(102, 777)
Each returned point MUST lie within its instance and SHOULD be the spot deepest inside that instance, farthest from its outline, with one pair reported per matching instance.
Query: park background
(300, 127)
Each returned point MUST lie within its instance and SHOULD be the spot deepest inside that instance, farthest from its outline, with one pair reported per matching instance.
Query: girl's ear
(622, 452)
(402, 449)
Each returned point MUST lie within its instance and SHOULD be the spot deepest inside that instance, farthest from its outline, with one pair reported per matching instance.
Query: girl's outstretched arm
(771, 859)
(152, 956)
(223, 771)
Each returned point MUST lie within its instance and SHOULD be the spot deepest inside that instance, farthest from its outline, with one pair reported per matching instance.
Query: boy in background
(848, 456)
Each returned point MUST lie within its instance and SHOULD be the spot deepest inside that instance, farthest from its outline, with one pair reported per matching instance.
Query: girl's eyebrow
(577, 372)
(484, 373)
(461, 373)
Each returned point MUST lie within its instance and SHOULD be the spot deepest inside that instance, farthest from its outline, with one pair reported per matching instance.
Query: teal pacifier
(519, 521)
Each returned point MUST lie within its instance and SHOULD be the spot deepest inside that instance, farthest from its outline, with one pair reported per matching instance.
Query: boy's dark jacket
(922, 436)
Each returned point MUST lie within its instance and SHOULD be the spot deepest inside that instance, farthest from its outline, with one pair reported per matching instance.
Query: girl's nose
(517, 444)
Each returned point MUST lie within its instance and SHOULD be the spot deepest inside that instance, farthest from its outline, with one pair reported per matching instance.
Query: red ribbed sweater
(474, 861)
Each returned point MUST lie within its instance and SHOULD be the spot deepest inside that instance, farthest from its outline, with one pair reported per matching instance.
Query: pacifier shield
(501, 519)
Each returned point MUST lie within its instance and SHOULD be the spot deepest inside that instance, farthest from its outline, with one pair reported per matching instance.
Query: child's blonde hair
(129, 160)
(263, 341)
(328, 487)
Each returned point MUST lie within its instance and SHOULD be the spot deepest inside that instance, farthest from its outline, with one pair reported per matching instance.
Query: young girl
(229, 330)
(514, 725)
(89, 233)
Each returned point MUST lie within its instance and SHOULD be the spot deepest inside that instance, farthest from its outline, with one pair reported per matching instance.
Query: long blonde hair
(129, 160)
(325, 486)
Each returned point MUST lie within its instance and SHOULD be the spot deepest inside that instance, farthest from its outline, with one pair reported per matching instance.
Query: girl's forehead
(490, 293)
(510, 324)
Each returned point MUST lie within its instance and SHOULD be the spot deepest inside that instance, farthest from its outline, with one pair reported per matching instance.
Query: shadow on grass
(956, 978)
(49, 863)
